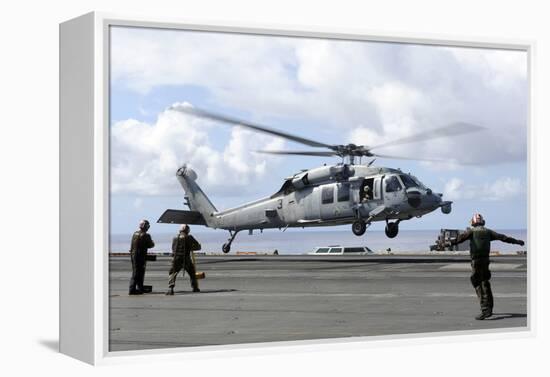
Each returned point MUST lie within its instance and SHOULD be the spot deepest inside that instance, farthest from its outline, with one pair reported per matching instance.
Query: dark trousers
(180, 262)
(138, 273)
(480, 280)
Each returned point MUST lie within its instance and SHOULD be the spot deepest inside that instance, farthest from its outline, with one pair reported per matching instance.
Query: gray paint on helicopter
(339, 194)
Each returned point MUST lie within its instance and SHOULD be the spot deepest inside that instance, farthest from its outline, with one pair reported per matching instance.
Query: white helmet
(477, 219)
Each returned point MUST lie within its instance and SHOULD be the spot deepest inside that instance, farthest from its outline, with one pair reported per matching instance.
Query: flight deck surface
(251, 299)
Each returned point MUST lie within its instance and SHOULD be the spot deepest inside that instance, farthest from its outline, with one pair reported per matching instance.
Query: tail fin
(197, 200)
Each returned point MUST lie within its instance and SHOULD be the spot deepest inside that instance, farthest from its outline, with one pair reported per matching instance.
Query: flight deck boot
(478, 289)
(195, 284)
(487, 296)
(170, 291)
(486, 301)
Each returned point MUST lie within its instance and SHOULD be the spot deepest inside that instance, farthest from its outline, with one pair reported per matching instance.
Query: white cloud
(138, 203)
(396, 106)
(369, 92)
(501, 69)
(501, 189)
(145, 157)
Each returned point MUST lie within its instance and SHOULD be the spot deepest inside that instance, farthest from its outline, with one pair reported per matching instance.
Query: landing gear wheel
(392, 229)
(359, 227)
(226, 247)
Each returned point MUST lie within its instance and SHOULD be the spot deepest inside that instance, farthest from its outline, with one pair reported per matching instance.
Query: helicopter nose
(431, 199)
(438, 200)
(414, 198)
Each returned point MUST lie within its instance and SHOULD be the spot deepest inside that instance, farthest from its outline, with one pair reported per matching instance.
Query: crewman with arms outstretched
(480, 247)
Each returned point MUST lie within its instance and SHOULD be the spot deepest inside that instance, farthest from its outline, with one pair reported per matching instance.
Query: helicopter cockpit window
(393, 184)
(418, 183)
(327, 195)
(408, 181)
(343, 192)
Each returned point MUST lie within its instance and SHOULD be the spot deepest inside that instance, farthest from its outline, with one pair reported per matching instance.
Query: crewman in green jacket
(480, 247)
(141, 241)
(183, 246)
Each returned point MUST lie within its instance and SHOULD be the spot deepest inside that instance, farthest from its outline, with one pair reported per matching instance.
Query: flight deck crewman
(480, 246)
(183, 246)
(141, 241)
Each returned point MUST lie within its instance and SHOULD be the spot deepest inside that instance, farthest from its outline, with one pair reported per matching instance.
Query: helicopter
(330, 195)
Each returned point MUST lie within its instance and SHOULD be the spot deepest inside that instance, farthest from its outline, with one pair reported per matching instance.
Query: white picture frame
(84, 179)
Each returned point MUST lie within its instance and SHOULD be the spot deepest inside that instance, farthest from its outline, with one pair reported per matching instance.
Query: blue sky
(330, 91)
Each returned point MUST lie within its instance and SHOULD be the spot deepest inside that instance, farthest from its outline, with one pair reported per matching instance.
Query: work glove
(521, 243)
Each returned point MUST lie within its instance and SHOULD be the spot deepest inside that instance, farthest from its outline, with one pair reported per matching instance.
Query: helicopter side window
(343, 192)
(392, 184)
(327, 195)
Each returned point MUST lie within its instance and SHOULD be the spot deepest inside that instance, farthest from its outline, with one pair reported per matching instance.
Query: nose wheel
(359, 227)
(392, 229)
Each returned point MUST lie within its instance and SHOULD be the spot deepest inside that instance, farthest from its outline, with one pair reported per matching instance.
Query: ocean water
(301, 242)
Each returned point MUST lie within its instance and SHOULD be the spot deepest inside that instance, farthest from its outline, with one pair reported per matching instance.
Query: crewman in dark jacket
(141, 241)
(480, 247)
(183, 246)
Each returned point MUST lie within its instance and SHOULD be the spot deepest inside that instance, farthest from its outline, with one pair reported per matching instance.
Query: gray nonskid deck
(247, 299)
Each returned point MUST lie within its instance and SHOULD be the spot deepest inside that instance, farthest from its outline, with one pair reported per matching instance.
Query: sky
(332, 91)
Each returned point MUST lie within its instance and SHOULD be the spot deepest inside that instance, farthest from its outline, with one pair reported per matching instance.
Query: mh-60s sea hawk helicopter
(339, 194)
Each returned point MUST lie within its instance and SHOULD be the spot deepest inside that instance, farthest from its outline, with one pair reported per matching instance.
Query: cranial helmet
(144, 225)
(477, 219)
(184, 228)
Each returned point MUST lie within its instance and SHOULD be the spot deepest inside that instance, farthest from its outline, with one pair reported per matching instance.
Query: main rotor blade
(237, 122)
(421, 159)
(453, 129)
(302, 153)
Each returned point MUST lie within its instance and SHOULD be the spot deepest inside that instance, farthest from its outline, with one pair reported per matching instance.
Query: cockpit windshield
(418, 183)
(408, 181)
(411, 181)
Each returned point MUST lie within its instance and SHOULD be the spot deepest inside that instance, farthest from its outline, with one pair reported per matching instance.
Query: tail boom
(197, 200)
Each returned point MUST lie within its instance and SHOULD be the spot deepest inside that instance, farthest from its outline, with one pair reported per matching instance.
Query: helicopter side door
(335, 201)
(375, 197)
(343, 199)
(377, 190)
(327, 203)
(393, 192)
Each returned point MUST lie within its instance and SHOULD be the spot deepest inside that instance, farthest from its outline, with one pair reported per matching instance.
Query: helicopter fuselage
(333, 195)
